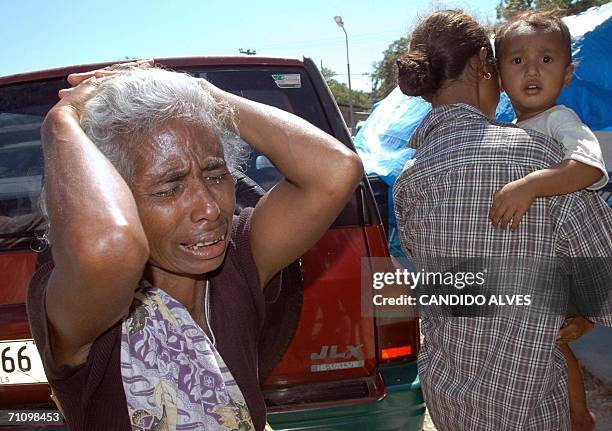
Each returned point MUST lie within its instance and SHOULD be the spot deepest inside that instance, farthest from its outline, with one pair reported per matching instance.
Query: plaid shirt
(493, 373)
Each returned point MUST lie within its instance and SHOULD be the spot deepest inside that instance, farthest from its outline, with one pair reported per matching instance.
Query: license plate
(20, 363)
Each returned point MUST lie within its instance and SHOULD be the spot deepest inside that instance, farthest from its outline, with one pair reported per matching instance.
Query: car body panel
(16, 269)
(402, 407)
(330, 324)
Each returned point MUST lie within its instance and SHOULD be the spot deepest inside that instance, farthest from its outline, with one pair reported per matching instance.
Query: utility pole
(340, 23)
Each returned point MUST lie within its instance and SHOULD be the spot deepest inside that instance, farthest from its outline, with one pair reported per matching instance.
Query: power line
(318, 42)
(356, 74)
(334, 42)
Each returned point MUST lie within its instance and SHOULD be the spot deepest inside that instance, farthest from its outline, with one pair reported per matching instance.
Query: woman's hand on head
(215, 92)
(73, 100)
(510, 204)
(75, 79)
(84, 86)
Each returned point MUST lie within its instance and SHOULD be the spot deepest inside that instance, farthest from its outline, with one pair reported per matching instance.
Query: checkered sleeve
(585, 241)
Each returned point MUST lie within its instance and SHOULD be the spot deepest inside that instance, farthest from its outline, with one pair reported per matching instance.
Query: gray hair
(129, 105)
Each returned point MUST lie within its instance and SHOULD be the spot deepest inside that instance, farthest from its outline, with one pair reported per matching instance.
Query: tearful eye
(217, 179)
(166, 192)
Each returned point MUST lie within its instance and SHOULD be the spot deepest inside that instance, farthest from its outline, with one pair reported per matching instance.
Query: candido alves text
(456, 280)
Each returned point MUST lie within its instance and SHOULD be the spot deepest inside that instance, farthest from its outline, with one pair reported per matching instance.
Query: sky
(41, 34)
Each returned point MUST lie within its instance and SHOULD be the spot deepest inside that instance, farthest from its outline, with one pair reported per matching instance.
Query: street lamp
(340, 23)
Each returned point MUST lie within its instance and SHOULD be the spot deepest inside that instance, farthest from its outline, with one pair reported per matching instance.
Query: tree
(327, 73)
(384, 78)
(341, 93)
(508, 8)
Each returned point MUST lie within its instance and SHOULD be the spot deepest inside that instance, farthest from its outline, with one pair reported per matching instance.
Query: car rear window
(22, 110)
(289, 89)
(24, 106)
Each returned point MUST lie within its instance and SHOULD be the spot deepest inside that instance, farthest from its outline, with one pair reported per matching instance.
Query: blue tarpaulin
(381, 144)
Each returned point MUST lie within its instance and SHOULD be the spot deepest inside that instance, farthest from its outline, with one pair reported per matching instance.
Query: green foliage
(327, 73)
(508, 8)
(384, 78)
(340, 91)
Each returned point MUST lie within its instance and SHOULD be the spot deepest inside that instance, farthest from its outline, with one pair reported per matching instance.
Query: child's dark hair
(440, 48)
(548, 21)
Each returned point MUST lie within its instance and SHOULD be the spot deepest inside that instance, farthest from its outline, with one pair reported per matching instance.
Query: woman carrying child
(498, 372)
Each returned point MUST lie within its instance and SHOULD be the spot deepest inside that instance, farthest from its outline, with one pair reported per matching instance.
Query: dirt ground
(600, 402)
(428, 425)
(599, 399)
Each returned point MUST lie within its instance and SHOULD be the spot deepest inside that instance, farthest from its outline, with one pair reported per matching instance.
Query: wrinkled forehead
(176, 136)
(177, 144)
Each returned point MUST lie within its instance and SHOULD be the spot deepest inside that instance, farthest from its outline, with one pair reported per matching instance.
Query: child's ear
(569, 73)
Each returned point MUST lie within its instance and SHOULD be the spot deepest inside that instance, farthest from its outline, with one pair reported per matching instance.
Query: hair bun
(415, 75)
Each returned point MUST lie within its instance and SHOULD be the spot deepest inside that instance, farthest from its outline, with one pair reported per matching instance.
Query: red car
(325, 365)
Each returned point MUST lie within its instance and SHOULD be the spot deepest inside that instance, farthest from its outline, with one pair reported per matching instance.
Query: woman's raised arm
(320, 175)
(99, 246)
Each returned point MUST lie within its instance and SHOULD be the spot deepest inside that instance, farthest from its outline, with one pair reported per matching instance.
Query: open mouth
(199, 245)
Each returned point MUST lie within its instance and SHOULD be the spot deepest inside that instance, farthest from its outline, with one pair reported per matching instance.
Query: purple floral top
(173, 376)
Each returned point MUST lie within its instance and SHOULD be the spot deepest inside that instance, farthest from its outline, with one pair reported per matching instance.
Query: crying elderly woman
(149, 314)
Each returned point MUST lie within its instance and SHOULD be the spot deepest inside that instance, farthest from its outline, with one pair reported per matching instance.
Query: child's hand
(574, 328)
(510, 203)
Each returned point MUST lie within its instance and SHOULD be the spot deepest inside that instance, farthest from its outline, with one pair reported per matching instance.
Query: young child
(533, 52)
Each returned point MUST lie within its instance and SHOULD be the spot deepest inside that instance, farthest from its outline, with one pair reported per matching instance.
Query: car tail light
(398, 340)
(395, 352)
